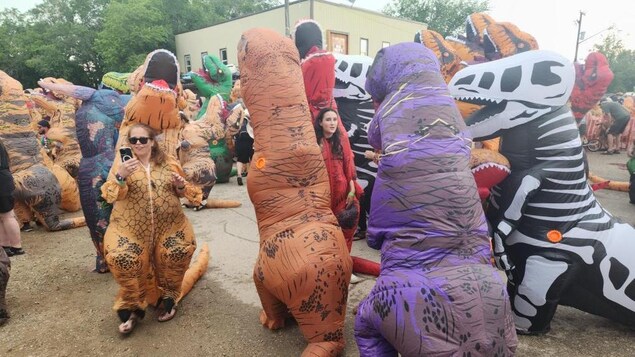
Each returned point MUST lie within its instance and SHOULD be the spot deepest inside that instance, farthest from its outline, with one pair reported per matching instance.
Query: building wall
(359, 23)
(342, 19)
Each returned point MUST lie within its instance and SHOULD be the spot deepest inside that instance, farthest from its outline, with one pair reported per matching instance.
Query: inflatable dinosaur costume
(148, 219)
(592, 79)
(194, 153)
(61, 109)
(437, 293)
(97, 123)
(215, 79)
(554, 240)
(38, 191)
(303, 267)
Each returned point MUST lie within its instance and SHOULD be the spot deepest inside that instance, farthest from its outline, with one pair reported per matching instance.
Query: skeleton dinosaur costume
(437, 293)
(557, 244)
(303, 266)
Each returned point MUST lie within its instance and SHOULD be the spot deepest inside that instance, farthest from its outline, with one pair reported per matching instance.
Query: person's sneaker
(360, 234)
(239, 180)
(355, 279)
(26, 228)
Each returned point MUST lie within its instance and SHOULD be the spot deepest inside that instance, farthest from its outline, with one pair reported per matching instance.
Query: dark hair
(44, 123)
(157, 155)
(336, 145)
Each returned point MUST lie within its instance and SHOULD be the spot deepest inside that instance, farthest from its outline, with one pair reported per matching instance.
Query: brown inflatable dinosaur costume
(61, 109)
(194, 153)
(303, 267)
(160, 227)
(37, 189)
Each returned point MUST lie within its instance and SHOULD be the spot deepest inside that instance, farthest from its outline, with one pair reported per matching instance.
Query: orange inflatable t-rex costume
(303, 267)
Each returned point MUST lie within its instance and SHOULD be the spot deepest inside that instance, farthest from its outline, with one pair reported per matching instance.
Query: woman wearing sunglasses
(149, 242)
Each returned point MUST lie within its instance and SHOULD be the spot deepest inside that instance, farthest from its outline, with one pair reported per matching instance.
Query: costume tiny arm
(191, 192)
(510, 213)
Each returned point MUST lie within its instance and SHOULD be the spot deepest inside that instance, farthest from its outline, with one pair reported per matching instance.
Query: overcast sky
(551, 22)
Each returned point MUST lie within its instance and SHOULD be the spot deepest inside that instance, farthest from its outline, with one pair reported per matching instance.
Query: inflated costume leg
(128, 260)
(369, 341)
(172, 254)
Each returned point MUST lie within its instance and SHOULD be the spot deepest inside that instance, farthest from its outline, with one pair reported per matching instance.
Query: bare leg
(10, 230)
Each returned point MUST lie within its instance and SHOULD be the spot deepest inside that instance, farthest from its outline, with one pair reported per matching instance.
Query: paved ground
(60, 308)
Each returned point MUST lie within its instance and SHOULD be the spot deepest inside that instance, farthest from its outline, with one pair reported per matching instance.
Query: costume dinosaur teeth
(556, 242)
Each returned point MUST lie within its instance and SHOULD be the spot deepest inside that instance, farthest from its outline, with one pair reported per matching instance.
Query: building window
(385, 44)
(222, 53)
(188, 63)
(363, 46)
(337, 42)
(203, 54)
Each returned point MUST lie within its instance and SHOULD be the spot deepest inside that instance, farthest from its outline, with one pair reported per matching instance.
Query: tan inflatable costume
(303, 267)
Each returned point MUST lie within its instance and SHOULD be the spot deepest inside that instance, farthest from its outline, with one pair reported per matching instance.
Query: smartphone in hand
(125, 153)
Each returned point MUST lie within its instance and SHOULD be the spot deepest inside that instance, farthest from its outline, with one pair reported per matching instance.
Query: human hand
(128, 167)
(178, 181)
(350, 199)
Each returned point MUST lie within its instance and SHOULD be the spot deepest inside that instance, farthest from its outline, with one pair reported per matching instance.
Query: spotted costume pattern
(303, 267)
(147, 225)
(38, 192)
(437, 293)
(149, 242)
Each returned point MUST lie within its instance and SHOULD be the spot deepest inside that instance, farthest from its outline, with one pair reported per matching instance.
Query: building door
(337, 42)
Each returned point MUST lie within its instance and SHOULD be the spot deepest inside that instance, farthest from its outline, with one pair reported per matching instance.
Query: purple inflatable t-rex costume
(437, 294)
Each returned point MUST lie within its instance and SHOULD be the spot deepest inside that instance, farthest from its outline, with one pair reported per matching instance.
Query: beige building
(347, 30)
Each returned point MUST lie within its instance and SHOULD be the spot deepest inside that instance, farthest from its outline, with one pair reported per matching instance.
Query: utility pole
(311, 9)
(287, 27)
(577, 39)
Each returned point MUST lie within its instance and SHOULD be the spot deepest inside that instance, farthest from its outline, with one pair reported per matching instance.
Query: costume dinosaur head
(214, 78)
(592, 79)
(450, 62)
(307, 34)
(513, 90)
(350, 76)
(504, 39)
(13, 108)
(115, 81)
(156, 102)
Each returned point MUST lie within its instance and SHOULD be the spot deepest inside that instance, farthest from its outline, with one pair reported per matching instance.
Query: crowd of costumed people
(461, 159)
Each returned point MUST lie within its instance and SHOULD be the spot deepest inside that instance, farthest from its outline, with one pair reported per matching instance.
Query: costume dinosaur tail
(217, 203)
(195, 271)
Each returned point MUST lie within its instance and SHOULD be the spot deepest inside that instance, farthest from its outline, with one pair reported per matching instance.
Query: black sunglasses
(143, 140)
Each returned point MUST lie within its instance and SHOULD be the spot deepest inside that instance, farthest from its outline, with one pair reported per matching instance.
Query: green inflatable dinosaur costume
(213, 79)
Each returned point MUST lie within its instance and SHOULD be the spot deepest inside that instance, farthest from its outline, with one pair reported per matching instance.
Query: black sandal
(166, 310)
(17, 251)
(8, 250)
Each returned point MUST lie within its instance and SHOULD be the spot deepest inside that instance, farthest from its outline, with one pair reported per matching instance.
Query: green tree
(446, 17)
(621, 62)
(133, 28)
